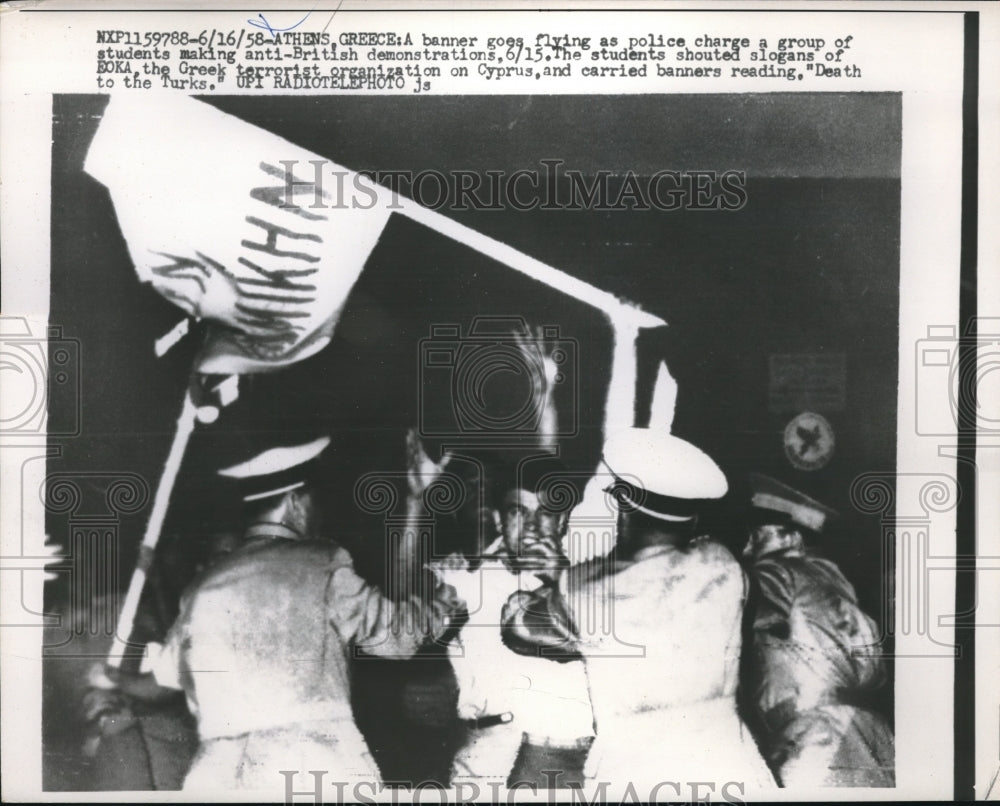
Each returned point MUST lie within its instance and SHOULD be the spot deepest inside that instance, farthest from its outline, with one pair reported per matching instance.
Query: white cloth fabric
(704, 741)
(546, 699)
(662, 635)
(255, 760)
(262, 651)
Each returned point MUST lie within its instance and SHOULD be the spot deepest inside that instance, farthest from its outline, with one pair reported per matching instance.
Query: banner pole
(620, 313)
(185, 427)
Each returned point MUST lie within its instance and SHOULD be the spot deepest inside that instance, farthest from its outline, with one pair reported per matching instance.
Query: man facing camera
(528, 720)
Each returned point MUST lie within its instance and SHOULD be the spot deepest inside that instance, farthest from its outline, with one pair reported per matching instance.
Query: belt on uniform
(489, 721)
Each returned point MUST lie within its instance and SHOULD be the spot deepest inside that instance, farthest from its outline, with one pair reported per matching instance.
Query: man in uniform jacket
(812, 667)
(658, 624)
(263, 644)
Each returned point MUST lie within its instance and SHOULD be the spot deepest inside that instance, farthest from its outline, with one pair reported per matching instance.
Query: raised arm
(419, 606)
(537, 355)
(375, 624)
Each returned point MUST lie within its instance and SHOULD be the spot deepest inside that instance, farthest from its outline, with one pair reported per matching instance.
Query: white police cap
(667, 475)
(276, 470)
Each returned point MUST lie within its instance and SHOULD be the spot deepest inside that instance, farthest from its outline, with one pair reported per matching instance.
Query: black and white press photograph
(499, 444)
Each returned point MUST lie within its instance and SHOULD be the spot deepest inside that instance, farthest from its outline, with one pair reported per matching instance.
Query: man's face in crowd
(530, 531)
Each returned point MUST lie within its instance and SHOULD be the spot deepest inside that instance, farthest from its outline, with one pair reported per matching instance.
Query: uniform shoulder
(590, 570)
(806, 571)
(709, 549)
(720, 571)
(778, 567)
(264, 559)
(779, 580)
(821, 564)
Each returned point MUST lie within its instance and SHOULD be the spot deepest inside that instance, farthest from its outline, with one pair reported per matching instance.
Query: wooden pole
(185, 427)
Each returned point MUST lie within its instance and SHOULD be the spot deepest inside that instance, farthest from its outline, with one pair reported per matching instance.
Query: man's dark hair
(545, 476)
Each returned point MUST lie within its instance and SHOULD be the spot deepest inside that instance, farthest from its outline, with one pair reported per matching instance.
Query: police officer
(812, 669)
(263, 643)
(658, 623)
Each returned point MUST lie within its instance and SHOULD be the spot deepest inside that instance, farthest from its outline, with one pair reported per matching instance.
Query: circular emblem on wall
(809, 441)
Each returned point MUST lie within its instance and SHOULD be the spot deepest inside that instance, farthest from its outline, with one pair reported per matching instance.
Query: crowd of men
(657, 658)
(666, 657)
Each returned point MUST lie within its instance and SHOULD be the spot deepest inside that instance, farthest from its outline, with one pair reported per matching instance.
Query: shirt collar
(279, 531)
